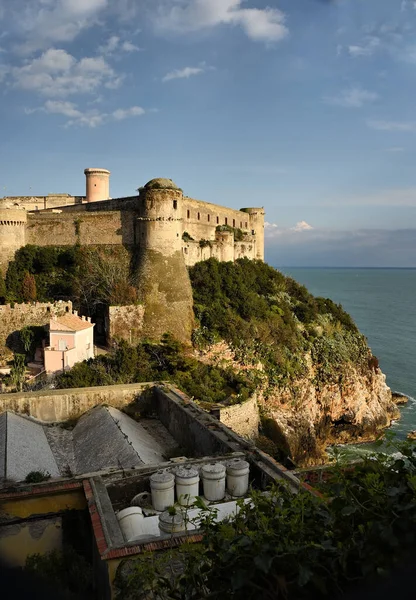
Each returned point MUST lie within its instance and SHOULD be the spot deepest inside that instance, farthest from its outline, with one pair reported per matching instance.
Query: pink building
(71, 341)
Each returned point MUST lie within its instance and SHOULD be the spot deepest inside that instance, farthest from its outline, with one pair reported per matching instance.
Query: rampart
(242, 418)
(55, 406)
(13, 319)
(86, 228)
(125, 323)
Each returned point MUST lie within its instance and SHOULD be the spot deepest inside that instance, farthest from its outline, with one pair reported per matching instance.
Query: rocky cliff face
(303, 418)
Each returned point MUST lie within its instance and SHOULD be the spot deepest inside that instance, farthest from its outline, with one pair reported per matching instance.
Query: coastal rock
(399, 398)
(306, 418)
(411, 435)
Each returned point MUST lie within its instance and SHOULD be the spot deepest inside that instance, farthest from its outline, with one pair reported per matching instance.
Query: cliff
(317, 380)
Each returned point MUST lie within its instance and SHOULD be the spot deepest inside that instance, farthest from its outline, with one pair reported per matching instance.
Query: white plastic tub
(131, 522)
(213, 478)
(162, 485)
(187, 485)
(237, 477)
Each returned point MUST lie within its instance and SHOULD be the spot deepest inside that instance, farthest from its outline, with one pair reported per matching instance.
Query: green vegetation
(186, 237)
(266, 316)
(238, 233)
(205, 243)
(167, 361)
(88, 276)
(37, 476)
(67, 573)
(295, 546)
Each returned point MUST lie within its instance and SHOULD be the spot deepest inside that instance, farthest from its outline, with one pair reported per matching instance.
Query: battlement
(159, 218)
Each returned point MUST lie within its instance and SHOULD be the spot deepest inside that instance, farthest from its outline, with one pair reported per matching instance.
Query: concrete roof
(24, 448)
(104, 437)
(69, 322)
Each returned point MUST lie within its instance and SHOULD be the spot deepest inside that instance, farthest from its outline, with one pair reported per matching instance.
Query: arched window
(188, 214)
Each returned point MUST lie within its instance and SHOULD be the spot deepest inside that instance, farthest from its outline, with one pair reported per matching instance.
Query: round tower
(256, 225)
(12, 234)
(97, 184)
(163, 281)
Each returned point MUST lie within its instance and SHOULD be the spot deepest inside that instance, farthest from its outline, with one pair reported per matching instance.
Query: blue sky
(306, 107)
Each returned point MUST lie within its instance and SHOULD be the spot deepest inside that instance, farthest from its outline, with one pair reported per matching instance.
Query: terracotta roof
(69, 322)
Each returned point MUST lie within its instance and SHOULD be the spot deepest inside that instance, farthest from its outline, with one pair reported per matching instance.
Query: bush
(37, 476)
(299, 546)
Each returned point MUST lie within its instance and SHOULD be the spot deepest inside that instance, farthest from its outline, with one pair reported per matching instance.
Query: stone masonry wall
(54, 406)
(125, 323)
(12, 320)
(66, 229)
(242, 418)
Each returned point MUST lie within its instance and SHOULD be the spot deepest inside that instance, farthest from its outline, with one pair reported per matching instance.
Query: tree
(17, 373)
(27, 336)
(2, 289)
(29, 287)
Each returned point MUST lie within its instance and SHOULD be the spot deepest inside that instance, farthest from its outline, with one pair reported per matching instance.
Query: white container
(162, 485)
(171, 523)
(237, 477)
(187, 485)
(143, 499)
(213, 478)
(131, 522)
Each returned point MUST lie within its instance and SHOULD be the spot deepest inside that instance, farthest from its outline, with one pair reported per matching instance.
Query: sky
(305, 107)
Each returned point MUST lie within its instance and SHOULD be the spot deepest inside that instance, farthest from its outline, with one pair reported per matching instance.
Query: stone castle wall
(40, 202)
(86, 228)
(54, 406)
(12, 234)
(125, 323)
(13, 319)
(243, 418)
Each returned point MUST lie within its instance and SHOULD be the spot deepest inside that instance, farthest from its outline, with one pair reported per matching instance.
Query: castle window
(246, 225)
(253, 232)
(175, 204)
(199, 216)
(226, 221)
(188, 214)
(185, 250)
(233, 222)
(218, 220)
(241, 224)
(209, 217)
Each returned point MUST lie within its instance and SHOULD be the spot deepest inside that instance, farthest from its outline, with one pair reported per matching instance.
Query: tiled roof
(69, 322)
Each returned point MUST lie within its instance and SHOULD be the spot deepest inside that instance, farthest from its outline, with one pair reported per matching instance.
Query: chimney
(89, 319)
(83, 318)
(76, 313)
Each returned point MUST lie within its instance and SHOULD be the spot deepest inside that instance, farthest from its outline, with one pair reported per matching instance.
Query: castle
(201, 229)
(165, 230)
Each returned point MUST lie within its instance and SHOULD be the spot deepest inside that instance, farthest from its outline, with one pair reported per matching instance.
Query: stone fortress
(163, 230)
(159, 215)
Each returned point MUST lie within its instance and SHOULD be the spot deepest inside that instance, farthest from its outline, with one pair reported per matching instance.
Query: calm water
(382, 303)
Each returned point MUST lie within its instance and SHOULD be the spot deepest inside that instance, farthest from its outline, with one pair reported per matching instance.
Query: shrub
(37, 476)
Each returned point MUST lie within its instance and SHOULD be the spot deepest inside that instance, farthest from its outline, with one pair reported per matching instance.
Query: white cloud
(272, 230)
(129, 47)
(367, 48)
(90, 118)
(110, 46)
(393, 126)
(302, 226)
(56, 73)
(124, 113)
(352, 98)
(184, 73)
(265, 25)
(46, 22)
(114, 44)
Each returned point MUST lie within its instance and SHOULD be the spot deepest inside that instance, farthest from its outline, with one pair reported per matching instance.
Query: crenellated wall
(12, 234)
(14, 318)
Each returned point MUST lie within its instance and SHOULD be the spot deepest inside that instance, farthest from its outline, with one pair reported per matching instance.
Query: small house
(70, 341)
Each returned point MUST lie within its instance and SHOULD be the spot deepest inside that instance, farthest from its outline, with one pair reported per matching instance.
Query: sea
(382, 302)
